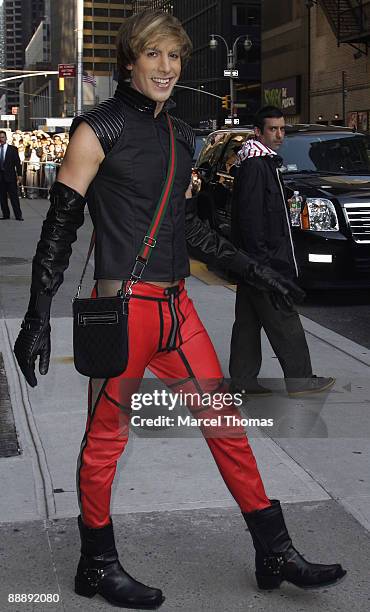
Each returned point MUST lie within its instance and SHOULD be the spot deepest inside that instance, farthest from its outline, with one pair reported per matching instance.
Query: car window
(212, 149)
(230, 157)
(199, 144)
(331, 152)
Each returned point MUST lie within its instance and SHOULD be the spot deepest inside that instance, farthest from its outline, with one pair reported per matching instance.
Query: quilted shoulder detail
(186, 131)
(107, 119)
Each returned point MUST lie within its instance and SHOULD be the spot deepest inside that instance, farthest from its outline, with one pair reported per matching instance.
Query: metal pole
(344, 93)
(309, 65)
(230, 58)
(80, 25)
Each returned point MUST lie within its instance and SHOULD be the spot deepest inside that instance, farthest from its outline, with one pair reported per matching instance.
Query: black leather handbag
(100, 336)
(100, 325)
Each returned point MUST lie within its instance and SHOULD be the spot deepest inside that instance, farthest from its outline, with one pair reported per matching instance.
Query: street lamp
(231, 58)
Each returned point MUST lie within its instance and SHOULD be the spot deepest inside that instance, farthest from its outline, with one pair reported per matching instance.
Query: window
(100, 12)
(101, 25)
(98, 52)
(102, 40)
(244, 15)
(212, 150)
(118, 12)
(103, 67)
(333, 152)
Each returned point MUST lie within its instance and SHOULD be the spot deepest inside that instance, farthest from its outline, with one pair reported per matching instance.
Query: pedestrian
(50, 167)
(10, 178)
(119, 154)
(33, 153)
(261, 227)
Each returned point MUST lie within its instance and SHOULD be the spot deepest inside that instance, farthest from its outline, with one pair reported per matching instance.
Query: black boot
(276, 557)
(99, 571)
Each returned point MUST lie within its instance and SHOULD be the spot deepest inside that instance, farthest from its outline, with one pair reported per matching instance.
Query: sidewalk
(192, 540)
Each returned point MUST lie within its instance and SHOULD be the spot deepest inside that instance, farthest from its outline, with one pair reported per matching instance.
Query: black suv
(330, 167)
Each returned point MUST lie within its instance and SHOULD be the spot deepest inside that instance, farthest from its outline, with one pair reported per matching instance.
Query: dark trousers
(254, 311)
(11, 188)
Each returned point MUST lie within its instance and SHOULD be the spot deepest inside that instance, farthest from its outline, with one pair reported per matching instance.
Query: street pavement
(177, 527)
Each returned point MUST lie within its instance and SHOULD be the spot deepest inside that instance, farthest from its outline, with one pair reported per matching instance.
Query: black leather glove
(34, 338)
(211, 247)
(59, 231)
(297, 294)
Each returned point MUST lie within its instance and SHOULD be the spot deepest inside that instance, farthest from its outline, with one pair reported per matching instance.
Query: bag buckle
(150, 242)
(138, 268)
(136, 274)
(77, 294)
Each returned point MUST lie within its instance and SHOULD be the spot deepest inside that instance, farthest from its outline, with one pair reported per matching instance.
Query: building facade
(35, 93)
(315, 61)
(340, 75)
(101, 22)
(2, 58)
(205, 72)
(20, 20)
(285, 58)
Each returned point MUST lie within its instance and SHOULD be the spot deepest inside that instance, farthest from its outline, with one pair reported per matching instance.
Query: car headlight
(319, 214)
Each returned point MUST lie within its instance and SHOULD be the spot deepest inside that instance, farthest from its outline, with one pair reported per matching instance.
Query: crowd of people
(41, 155)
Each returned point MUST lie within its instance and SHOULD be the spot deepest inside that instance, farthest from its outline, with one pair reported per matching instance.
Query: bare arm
(82, 159)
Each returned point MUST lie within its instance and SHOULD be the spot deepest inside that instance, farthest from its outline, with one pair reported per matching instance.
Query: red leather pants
(166, 336)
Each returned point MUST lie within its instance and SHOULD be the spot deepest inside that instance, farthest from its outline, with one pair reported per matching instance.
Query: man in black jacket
(10, 167)
(261, 227)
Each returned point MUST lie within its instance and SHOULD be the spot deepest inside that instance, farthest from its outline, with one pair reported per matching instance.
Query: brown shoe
(315, 384)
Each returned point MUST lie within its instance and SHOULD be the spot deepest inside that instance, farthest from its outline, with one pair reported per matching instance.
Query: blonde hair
(147, 27)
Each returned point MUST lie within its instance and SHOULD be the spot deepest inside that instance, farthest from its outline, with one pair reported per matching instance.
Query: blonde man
(118, 156)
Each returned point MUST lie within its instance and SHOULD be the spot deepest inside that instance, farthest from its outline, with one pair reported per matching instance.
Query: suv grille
(358, 216)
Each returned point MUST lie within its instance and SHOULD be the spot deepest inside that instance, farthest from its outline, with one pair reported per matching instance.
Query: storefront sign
(284, 94)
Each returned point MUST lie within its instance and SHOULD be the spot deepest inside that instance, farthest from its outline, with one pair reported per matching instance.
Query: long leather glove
(59, 231)
(212, 247)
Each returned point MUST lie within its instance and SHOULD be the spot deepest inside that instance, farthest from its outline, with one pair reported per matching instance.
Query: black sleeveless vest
(123, 195)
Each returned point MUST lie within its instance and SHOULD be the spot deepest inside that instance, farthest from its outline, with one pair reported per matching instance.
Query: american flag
(89, 78)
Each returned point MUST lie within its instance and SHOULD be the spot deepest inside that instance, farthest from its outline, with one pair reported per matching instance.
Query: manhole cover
(13, 261)
(8, 434)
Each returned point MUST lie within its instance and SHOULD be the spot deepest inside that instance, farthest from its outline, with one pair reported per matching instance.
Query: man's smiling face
(157, 70)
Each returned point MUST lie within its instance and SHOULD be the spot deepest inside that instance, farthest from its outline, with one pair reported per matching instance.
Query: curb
(340, 343)
(24, 416)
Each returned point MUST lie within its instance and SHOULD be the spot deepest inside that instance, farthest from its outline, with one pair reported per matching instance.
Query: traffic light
(226, 102)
